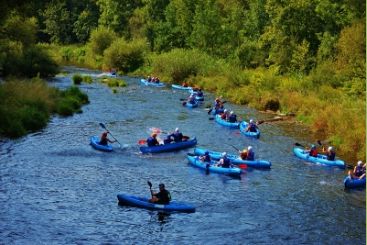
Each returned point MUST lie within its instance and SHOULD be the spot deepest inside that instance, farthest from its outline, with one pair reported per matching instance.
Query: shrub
(125, 56)
(87, 79)
(77, 79)
(100, 39)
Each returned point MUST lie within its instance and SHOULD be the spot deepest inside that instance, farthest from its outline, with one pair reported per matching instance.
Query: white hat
(224, 154)
(360, 163)
(249, 148)
(177, 129)
(330, 148)
(225, 110)
(231, 112)
(251, 120)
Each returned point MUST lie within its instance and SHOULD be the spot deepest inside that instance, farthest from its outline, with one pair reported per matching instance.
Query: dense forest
(303, 57)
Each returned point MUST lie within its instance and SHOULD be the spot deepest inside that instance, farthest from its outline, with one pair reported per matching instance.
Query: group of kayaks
(237, 164)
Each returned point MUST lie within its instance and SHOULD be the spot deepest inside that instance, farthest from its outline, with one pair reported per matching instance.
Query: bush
(87, 79)
(100, 39)
(77, 79)
(124, 56)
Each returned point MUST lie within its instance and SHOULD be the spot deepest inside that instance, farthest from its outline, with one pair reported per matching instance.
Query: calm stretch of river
(56, 189)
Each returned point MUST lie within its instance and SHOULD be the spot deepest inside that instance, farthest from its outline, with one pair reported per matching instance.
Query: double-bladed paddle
(150, 187)
(104, 127)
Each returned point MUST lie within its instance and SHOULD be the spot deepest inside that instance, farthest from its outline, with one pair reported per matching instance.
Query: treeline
(306, 57)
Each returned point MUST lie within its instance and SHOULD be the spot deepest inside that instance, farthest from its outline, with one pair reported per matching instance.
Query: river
(56, 189)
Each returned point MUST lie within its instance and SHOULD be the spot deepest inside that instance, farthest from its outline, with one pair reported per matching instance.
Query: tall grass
(27, 105)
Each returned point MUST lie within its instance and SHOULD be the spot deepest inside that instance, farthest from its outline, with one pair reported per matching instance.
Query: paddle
(242, 166)
(298, 144)
(347, 165)
(150, 187)
(104, 127)
(142, 142)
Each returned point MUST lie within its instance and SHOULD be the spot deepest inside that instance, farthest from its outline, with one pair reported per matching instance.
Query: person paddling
(247, 154)
(224, 162)
(162, 197)
(252, 127)
(104, 139)
(330, 153)
(313, 151)
(152, 140)
(205, 157)
(177, 135)
(359, 171)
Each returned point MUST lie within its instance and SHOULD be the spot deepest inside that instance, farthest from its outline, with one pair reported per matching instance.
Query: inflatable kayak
(181, 87)
(160, 84)
(354, 183)
(234, 159)
(212, 167)
(169, 147)
(142, 202)
(321, 159)
(222, 122)
(215, 112)
(243, 126)
(94, 141)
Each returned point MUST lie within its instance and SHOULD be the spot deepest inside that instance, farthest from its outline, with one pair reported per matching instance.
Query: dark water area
(56, 189)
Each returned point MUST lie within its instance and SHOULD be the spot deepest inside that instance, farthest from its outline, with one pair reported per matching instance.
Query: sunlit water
(56, 189)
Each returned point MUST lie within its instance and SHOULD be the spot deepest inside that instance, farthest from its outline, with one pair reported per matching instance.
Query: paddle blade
(184, 103)
(185, 137)
(242, 166)
(102, 125)
(149, 183)
(319, 142)
(298, 144)
(142, 142)
(211, 118)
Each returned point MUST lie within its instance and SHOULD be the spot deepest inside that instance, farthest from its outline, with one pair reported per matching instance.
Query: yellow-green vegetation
(78, 79)
(113, 82)
(27, 105)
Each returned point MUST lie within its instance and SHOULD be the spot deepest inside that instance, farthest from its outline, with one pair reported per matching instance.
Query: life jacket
(103, 140)
(232, 118)
(250, 156)
(252, 127)
(243, 155)
(359, 171)
(226, 163)
(152, 142)
(313, 152)
(177, 137)
(331, 156)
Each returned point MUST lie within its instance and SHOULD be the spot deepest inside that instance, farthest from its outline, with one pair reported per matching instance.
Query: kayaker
(330, 153)
(185, 84)
(225, 115)
(177, 135)
(232, 117)
(252, 127)
(224, 162)
(191, 99)
(149, 79)
(104, 139)
(162, 197)
(152, 140)
(313, 151)
(168, 139)
(359, 171)
(247, 154)
(205, 157)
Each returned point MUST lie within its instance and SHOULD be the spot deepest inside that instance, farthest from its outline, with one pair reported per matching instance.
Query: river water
(56, 189)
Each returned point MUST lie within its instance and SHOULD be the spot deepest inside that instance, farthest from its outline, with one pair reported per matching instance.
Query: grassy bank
(28, 104)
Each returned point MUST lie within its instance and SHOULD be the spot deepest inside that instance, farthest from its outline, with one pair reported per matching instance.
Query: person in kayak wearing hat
(162, 197)
(247, 154)
(330, 153)
(359, 171)
(177, 135)
(104, 139)
(152, 140)
(252, 127)
(313, 151)
(224, 162)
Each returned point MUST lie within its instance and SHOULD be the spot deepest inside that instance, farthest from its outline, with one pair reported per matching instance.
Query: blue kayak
(212, 167)
(234, 159)
(222, 122)
(320, 159)
(215, 112)
(160, 84)
(142, 202)
(189, 105)
(243, 126)
(354, 183)
(169, 147)
(181, 87)
(94, 141)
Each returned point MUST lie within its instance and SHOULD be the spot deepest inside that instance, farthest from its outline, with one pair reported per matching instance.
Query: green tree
(100, 39)
(84, 25)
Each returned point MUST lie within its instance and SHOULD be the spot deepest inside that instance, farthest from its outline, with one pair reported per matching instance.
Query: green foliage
(100, 39)
(77, 79)
(83, 26)
(20, 29)
(58, 22)
(125, 56)
(179, 64)
(114, 82)
(87, 79)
